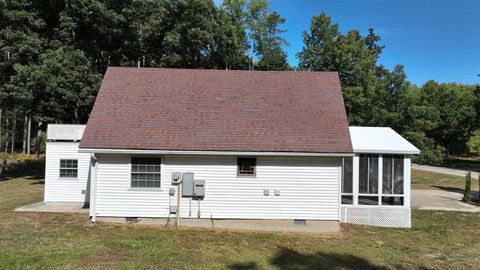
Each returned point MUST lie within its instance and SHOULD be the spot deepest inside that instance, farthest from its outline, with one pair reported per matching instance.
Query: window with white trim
(393, 180)
(145, 172)
(368, 180)
(347, 180)
(246, 166)
(68, 168)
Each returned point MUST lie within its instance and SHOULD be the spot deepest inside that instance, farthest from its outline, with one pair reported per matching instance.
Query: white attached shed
(67, 171)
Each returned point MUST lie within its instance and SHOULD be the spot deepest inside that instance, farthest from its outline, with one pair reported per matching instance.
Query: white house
(235, 145)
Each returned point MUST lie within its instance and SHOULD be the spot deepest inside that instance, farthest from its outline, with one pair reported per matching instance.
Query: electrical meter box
(199, 188)
(176, 177)
(187, 184)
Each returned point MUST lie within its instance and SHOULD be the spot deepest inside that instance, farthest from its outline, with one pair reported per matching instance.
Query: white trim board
(210, 153)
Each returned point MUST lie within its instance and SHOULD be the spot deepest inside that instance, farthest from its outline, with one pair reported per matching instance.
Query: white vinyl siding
(66, 189)
(309, 188)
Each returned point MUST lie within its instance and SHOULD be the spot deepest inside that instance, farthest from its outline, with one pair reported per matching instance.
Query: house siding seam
(309, 188)
(65, 189)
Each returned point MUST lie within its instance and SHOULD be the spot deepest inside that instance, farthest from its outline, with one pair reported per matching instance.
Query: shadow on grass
(449, 189)
(39, 182)
(457, 190)
(30, 169)
(287, 259)
(244, 266)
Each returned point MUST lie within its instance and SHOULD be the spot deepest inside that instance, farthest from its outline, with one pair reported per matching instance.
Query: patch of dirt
(107, 258)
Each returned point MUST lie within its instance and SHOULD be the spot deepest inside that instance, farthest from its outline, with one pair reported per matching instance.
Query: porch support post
(355, 178)
(407, 167)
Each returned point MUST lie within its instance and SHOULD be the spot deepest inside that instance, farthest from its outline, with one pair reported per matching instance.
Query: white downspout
(93, 193)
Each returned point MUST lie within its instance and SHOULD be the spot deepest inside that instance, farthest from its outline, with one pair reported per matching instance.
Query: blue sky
(433, 39)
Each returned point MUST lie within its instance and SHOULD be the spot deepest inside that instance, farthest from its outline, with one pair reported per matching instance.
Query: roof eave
(209, 153)
(383, 151)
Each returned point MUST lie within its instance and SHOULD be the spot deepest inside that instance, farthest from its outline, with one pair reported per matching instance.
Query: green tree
(189, 33)
(61, 88)
(272, 56)
(355, 59)
(264, 33)
(452, 107)
(352, 55)
(468, 188)
(474, 143)
(22, 39)
(230, 37)
(257, 12)
(96, 27)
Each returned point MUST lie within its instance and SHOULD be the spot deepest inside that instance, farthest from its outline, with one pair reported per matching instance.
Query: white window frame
(60, 168)
(342, 181)
(130, 157)
(379, 176)
(380, 194)
(393, 172)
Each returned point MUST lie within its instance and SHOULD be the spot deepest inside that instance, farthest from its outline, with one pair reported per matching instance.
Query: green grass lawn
(438, 240)
(430, 180)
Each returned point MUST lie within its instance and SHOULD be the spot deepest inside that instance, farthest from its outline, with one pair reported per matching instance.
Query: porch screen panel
(368, 175)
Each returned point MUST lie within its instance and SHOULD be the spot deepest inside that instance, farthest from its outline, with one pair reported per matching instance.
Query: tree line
(54, 53)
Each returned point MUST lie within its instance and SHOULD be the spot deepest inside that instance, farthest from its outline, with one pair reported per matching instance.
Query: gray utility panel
(187, 184)
(199, 188)
(176, 177)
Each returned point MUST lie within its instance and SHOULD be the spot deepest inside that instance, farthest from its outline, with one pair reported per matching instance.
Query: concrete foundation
(54, 208)
(310, 226)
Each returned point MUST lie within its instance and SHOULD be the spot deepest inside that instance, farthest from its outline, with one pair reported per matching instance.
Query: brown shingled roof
(218, 110)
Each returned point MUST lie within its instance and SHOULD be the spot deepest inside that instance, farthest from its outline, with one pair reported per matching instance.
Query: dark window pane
(398, 176)
(246, 166)
(387, 174)
(368, 175)
(363, 174)
(373, 174)
(347, 199)
(135, 168)
(392, 200)
(347, 175)
(367, 200)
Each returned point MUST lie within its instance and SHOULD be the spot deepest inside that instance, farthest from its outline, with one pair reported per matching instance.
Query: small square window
(246, 166)
(68, 168)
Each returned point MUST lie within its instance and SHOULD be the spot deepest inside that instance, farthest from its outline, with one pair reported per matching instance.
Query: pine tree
(468, 188)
